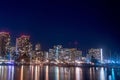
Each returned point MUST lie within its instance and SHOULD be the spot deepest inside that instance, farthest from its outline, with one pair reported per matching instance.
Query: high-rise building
(12, 52)
(96, 54)
(57, 51)
(78, 55)
(65, 54)
(4, 43)
(46, 55)
(38, 53)
(23, 46)
(54, 54)
(75, 54)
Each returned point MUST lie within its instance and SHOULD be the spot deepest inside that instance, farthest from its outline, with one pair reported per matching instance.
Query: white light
(101, 55)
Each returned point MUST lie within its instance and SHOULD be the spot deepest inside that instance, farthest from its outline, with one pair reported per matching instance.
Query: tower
(23, 46)
(4, 43)
(38, 52)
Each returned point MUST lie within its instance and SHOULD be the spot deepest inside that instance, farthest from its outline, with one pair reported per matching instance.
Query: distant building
(55, 52)
(75, 54)
(78, 55)
(4, 43)
(51, 54)
(96, 54)
(12, 49)
(46, 55)
(38, 53)
(13, 52)
(65, 54)
(24, 46)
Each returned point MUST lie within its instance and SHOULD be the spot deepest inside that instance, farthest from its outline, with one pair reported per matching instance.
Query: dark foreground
(39, 72)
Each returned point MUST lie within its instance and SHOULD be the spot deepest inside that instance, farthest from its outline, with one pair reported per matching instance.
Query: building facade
(4, 44)
(38, 53)
(61, 54)
(95, 54)
(23, 47)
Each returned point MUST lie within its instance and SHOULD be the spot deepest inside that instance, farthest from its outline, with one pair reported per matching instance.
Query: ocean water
(58, 73)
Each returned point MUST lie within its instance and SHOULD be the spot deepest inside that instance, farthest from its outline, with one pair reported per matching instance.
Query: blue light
(113, 75)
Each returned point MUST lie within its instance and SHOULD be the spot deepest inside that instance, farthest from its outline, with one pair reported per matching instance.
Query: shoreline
(62, 65)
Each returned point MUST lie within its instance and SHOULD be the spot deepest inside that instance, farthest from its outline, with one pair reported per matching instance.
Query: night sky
(82, 24)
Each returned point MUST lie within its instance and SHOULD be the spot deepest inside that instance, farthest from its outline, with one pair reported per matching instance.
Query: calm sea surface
(58, 73)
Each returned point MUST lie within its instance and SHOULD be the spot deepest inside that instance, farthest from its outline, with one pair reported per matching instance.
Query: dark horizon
(84, 24)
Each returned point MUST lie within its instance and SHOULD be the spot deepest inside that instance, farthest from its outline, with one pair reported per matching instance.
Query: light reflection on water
(58, 73)
(6, 73)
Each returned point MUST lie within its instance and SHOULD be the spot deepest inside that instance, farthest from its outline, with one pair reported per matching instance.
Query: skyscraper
(4, 43)
(38, 52)
(96, 53)
(57, 51)
(23, 46)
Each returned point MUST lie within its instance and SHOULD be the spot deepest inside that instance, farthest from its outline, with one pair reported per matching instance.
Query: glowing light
(78, 62)
(110, 77)
(32, 72)
(57, 73)
(37, 72)
(21, 74)
(79, 73)
(102, 74)
(12, 72)
(36, 75)
(57, 52)
(22, 60)
(47, 75)
(101, 55)
(113, 75)
(9, 72)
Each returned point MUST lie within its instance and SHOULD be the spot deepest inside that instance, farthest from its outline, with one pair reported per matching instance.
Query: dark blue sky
(87, 23)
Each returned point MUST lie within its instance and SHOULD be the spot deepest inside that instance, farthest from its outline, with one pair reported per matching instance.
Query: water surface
(58, 73)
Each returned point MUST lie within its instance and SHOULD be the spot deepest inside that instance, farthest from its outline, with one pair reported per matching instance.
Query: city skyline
(25, 52)
(73, 44)
(23, 44)
(59, 40)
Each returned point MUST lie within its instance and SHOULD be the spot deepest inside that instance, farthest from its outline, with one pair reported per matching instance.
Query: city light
(24, 52)
(101, 56)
